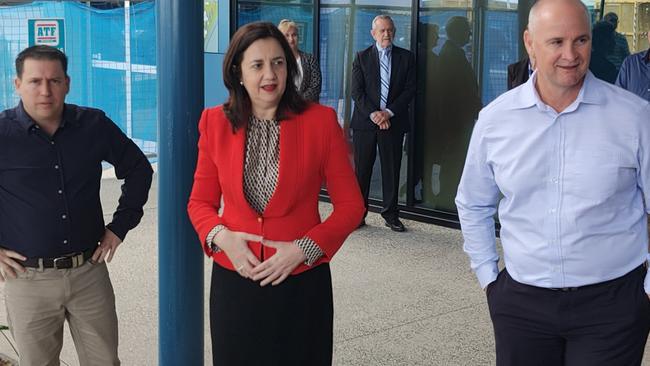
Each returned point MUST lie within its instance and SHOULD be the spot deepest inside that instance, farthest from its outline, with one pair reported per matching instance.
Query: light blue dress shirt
(569, 187)
(635, 74)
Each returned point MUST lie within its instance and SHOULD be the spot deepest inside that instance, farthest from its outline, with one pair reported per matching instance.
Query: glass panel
(301, 14)
(335, 2)
(626, 18)
(385, 3)
(502, 4)
(643, 18)
(641, 36)
(500, 48)
(335, 36)
(211, 26)
(362, 40)
(450, 4)
(633, 22)
(447, 104)
(272, 3)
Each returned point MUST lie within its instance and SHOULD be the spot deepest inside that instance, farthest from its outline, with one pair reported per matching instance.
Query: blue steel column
(180, 101)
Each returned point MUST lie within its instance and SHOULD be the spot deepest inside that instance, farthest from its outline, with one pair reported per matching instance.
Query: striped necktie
(385, 77)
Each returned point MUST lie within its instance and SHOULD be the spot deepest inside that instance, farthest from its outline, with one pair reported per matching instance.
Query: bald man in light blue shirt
(564, 160)
(572, 211)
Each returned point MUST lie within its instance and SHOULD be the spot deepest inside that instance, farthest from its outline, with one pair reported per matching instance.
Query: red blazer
(313, 151)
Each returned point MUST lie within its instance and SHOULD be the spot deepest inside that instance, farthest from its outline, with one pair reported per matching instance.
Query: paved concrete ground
(400, 298)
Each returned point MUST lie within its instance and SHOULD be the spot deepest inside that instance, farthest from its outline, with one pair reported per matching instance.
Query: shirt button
(552, 210)
(555, 180)
(260, 219)
(64, 216)
(51, 142)
(56, 166)
(60, 191)
(65, 241)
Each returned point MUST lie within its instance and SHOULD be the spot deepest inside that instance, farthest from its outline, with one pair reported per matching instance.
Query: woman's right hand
(235, 245)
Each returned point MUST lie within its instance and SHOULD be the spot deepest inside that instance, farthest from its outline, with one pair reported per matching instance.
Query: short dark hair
(611, 17)
(41, 52)
(238, 106)
(456, 28)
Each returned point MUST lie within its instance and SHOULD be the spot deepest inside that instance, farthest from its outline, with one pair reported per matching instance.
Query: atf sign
(49, 32)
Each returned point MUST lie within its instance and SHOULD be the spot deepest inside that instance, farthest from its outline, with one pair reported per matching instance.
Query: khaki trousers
(38, 303)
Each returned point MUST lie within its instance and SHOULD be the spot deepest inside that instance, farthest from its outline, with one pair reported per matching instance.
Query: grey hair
(383, 17)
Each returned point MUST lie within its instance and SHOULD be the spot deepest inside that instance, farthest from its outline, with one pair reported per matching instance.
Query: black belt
(73, 260)
(641, 268)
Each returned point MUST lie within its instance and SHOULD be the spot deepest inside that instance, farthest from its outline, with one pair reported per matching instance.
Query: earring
(241, 82)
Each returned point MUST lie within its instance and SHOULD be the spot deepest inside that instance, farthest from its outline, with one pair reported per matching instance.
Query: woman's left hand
(279, 266)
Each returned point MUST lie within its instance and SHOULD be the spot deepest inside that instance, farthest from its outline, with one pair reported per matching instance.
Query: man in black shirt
(53, 241)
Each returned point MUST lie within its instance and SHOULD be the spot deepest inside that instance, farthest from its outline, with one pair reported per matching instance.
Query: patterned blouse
(261, 170)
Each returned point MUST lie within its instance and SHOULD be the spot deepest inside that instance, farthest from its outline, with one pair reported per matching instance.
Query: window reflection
(447, 102)
(335, 35)
(454, 80)
(302, 15)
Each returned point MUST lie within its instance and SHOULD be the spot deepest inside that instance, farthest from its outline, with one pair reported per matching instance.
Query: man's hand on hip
(8, 266)
(107, 247)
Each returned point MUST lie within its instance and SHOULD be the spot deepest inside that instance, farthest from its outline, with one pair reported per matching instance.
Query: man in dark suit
(459, 102)
(519, 72)
(383, 87)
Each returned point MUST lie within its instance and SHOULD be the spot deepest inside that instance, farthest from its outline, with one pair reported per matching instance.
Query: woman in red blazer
(263, 157)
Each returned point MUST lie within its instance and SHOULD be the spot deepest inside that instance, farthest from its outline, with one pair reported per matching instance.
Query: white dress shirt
(569, 187)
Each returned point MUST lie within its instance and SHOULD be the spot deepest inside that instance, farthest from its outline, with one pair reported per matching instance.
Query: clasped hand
(381, 119)
(273, 270)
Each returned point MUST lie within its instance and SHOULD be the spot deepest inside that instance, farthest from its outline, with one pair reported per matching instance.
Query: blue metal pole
(180, 101)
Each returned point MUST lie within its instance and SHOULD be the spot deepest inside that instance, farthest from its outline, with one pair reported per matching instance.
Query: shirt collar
(379, 49)
(528, 96)
(27, 122)
(23, 118)
(590, 92)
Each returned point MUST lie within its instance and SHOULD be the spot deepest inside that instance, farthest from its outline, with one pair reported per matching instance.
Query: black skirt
(289, 324)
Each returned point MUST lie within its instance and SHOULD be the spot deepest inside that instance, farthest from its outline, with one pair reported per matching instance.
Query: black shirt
(49, 186)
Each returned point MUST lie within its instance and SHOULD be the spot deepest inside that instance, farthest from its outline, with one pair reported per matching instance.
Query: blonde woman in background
(308, 80)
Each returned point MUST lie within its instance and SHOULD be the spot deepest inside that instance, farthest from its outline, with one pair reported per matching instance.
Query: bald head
(554, 10)
(558, 41)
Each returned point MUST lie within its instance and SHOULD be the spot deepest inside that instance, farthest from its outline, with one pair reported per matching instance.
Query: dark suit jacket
(602, 68)
(366, 87)
(518, 73)
(311, 77)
